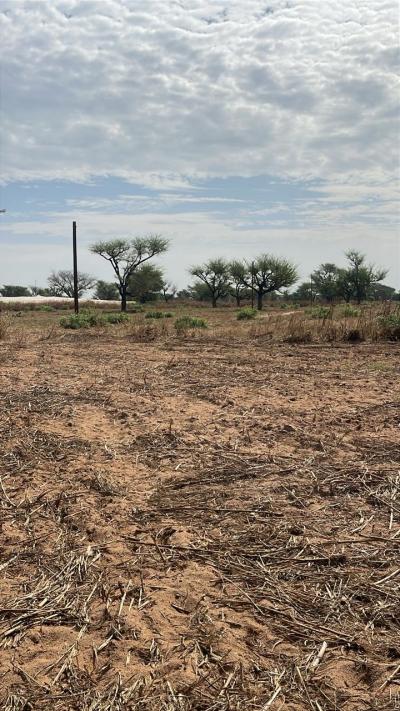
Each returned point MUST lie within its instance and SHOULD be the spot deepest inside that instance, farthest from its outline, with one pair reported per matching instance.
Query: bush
(85, 319)
(187, 322)
(246, 314)
(45, 307)
(322, 312)
(349, 311)
(390, 327)
(118, 317)
(158, 314)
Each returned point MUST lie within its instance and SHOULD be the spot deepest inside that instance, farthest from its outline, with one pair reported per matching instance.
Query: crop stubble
(199, 526)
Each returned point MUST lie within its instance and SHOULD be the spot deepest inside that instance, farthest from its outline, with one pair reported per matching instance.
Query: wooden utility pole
(75, 259)
(252, 285)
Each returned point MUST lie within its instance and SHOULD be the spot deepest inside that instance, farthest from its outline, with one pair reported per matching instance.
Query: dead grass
(208, 523)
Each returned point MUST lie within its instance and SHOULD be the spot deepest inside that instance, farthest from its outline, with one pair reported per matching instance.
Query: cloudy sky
(233, 128)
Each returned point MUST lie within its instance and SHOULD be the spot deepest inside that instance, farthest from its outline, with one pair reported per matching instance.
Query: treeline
(217, 280)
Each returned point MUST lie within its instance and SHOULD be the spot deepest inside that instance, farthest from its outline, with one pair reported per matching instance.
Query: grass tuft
(319, 312)
(158, 314)
(186, 323)
(246, 314)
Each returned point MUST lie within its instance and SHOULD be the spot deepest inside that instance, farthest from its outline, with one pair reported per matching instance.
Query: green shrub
(349, 311)
(390, 327)
(155, 314)
(45, 307)
(85, 319)
(246, 314)
(118, 317)
(187, 322)
(322, 312)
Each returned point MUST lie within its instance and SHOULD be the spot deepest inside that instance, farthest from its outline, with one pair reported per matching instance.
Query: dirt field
(198, 524)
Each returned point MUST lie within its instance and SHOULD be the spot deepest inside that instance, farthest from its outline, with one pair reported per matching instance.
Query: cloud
(184, 89)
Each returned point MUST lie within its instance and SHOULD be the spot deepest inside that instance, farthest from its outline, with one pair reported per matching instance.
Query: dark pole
(252, 285)
(76, 299)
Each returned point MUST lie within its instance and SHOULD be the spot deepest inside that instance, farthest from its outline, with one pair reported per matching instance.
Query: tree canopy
(267, 274)
(215, 275)
(61, 283)
(126, 255)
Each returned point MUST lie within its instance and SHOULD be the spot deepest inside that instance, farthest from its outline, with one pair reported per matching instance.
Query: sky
(231, 128)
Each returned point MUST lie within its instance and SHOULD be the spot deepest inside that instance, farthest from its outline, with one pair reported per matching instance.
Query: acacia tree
(61, 283)
(125, 256)
(237, 271)
(345, 285)
(145, 283)
(305, 292)
(10, 290)
(215, 275)
(168, 290)
(361, 276)
(267, 274)
(106, 291)
(325, 280)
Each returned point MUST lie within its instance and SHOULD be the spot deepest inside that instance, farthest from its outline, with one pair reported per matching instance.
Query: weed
(158, 314)
(349, 311)
(390, 326)
(246, 314)
(85, 319)
(320, 312)
(186, 323)
(117, 317)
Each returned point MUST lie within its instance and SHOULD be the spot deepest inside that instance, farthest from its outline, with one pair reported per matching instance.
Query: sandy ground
(197, 525)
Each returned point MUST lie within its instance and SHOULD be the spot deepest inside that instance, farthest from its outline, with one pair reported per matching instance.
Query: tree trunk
(214, 301)
(238, 300)
(123, 299)
(259, 300)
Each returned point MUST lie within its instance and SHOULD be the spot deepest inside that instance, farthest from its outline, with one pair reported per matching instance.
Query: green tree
(305, 292)
(125, 256)
(169, 290)
(382, 292)
(146, 283)
(39, 291)
(106, 291)
(325, 280)
(61, 283)
(360, 276)
(10, 290)
(238, 271)
(268, 274)
(215, 275)
(198, 291)
(345, 285)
